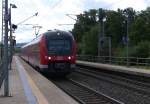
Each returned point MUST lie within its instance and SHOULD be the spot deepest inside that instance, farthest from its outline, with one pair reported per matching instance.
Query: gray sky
(52, 13)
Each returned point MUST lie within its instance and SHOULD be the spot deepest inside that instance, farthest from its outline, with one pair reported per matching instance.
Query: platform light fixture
(13, 6)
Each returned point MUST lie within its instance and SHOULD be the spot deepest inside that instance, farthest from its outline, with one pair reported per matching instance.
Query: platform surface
(134, 71)
(17, 95)
(27, 86)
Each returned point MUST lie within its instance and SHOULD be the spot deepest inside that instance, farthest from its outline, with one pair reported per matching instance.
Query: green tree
(91, 41)
(114, 26)
(87, 29)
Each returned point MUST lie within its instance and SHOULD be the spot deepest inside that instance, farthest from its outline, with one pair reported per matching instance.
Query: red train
(52, 52)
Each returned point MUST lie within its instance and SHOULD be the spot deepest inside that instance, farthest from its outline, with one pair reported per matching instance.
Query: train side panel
(43, 64)
(31, 52)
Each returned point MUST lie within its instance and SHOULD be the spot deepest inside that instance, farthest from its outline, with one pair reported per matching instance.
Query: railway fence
(130, 61)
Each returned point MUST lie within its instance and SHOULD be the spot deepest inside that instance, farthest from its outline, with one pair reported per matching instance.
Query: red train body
(53, 52)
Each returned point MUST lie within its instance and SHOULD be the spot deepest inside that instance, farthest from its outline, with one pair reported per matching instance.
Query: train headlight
(49, 58)
(69, 57)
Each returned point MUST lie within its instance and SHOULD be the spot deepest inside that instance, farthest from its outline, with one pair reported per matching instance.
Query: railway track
(135, 85)
(83, 94)
(124, 89)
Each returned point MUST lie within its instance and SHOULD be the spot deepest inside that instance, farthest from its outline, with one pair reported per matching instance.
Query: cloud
(52, 13)
(136, 4)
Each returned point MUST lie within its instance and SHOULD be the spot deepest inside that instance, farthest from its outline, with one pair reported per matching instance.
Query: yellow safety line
(40, 97)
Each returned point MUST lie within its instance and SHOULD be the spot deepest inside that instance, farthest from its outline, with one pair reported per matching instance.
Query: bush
(141, 50)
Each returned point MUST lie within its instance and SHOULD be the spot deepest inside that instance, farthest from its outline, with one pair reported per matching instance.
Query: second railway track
(135, 85)
(119, 87)
(84, 94)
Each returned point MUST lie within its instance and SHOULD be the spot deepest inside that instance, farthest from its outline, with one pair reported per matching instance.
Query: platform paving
(52, 93)
(17, 95)
(134, 71)
(33, 88)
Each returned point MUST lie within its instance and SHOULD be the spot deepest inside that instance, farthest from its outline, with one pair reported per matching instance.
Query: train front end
(60, 52)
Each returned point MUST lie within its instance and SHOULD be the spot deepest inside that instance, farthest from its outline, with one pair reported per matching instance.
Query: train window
(59, 46)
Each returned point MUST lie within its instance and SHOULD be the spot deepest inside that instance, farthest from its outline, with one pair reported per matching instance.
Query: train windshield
(59, 47)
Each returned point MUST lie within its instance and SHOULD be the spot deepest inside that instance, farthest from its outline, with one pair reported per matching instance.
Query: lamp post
(101, 16)
(5, 60)
(127, 50)
(128, 17)
(10, 38)
(7, 18)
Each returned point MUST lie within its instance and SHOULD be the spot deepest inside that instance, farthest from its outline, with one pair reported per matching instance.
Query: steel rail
(84, 94)
(121, 81)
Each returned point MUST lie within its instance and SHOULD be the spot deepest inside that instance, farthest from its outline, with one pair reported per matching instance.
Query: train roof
(50, 33)
(58, 32)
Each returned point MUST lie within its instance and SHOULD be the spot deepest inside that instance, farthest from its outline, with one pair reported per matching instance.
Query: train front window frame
(59, 46)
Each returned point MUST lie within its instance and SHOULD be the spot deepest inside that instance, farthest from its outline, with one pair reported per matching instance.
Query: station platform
(123, 69)
(27, 86)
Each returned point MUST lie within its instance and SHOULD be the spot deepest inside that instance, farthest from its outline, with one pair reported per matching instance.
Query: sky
(53, 12)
